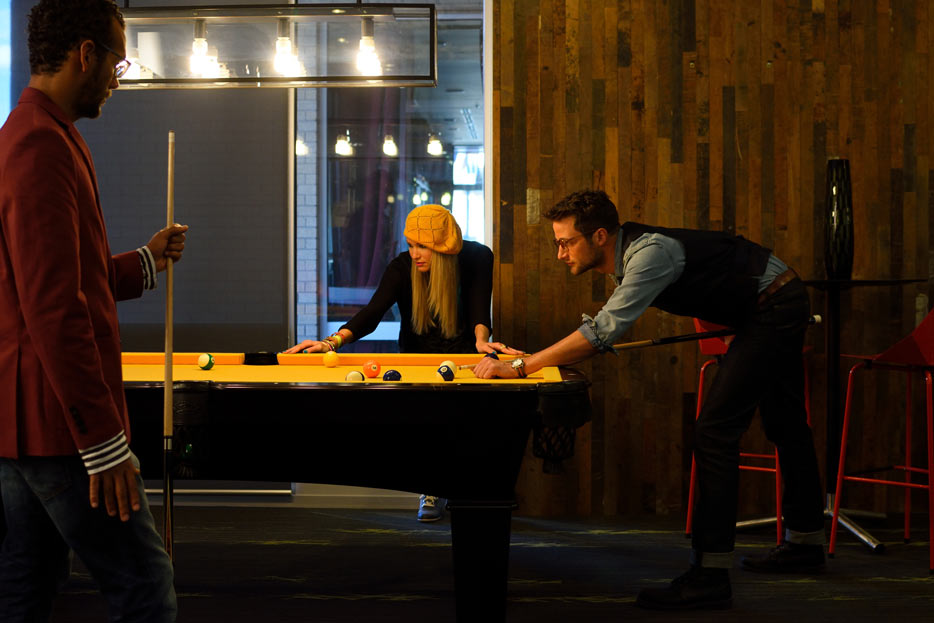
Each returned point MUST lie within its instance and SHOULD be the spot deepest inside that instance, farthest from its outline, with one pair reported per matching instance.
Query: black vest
(720, 282)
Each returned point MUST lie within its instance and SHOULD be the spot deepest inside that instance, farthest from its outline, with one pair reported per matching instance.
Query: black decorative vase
(839, 228)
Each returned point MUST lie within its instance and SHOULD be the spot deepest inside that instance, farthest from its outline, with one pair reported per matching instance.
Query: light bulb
(285, 62)
(389, 146)
(343, 147)
(367, 59)
(435, 148)
(199, 54)
(446, 199)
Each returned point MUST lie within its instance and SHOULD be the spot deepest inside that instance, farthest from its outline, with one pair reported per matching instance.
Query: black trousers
(763, 369)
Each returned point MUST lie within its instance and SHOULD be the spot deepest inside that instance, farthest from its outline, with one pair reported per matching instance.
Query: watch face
(518, 363)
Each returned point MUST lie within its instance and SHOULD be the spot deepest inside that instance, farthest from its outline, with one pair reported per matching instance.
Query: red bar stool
(913, 355)
(717, 347)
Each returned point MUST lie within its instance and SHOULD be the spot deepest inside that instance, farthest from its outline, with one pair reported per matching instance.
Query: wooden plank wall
(715, 114)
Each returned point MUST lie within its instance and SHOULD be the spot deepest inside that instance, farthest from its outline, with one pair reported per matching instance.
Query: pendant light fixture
(291, 45)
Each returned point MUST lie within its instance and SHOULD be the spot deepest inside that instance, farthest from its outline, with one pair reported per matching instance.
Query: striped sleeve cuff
(105, 455)
(149, 268)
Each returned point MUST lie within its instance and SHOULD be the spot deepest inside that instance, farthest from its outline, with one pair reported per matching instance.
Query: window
(5, 54)
(364, 159)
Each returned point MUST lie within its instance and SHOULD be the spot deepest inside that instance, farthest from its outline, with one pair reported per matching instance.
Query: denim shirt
(651, 263)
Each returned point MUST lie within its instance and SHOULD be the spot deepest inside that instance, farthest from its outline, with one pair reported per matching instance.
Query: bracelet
(329, 343)
(335, 339)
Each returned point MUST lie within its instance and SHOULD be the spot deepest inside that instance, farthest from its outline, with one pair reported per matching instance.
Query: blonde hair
(434, 296)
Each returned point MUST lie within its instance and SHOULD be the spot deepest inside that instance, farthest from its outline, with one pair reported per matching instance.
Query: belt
(779, 282)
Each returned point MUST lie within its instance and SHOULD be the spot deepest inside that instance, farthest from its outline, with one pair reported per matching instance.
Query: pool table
(300, 421)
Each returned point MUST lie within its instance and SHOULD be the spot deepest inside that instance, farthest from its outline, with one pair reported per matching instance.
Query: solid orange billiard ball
(371, 369)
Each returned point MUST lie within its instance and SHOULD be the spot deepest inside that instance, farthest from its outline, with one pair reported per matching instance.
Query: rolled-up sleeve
(652, 263)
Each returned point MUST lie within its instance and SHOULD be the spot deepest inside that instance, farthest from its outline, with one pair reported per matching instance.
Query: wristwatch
(518, 364)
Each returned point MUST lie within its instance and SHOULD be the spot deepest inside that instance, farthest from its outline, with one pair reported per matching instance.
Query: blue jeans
(763, 368)
(45, 501)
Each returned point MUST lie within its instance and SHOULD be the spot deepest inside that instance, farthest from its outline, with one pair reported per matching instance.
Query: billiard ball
(331, 359)
(446, 373)
(448, 363)
(371, 369)
(492, 355)
(354, 375)
(392, 375)
(206, 361)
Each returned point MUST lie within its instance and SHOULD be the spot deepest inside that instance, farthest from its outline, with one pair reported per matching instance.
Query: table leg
(834, 419)
(480, 539)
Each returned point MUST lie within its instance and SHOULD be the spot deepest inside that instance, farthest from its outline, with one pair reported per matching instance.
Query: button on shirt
(651, 263)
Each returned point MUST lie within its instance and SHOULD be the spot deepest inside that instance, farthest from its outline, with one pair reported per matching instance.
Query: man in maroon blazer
(64, 430)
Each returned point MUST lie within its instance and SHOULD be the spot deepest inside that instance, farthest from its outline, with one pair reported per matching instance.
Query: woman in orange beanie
(443, 286)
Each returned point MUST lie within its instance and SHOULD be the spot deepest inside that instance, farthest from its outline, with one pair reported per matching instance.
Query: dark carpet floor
(302, 565)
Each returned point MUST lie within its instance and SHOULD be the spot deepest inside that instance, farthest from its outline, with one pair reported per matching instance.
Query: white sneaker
(430, 508)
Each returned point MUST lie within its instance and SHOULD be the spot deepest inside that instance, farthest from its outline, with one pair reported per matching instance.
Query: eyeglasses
(122, 66)
(562, 244)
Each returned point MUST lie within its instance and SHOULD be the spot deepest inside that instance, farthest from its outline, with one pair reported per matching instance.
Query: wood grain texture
(714, 114)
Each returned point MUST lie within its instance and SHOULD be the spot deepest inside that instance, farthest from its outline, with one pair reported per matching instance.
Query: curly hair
(58, 26)
(591, 209)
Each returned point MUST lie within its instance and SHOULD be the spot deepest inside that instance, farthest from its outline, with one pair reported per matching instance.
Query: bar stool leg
(693, 482)
(840, 466)
(908, 463)
(928, 382)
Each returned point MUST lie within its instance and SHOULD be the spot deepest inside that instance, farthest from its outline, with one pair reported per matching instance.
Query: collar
(620, 253)
(32, 95)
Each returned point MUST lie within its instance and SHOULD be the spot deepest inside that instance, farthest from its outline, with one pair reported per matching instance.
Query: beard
(583, 264)
(582, 267)
(91, 98)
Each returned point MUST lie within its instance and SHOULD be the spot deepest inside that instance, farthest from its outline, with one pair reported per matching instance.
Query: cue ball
(331, 359)
(392, 375)
(371, 369)
(446, 373)
(206, 361)
(354, 375)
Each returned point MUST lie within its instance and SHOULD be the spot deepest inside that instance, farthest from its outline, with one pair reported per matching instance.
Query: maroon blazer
(61, 380)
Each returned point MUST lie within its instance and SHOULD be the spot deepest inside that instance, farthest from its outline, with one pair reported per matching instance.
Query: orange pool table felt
(310, 368)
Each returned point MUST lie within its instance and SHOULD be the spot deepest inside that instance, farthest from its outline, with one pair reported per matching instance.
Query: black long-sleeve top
(475, 266)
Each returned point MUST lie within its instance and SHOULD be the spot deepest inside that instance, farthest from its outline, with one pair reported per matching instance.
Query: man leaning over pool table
(726, 280)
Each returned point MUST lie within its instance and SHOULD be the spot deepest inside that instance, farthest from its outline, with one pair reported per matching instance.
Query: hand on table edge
(307, 346)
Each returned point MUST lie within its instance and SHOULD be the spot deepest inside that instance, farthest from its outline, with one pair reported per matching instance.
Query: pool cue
(688, 337)
(168, 425)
